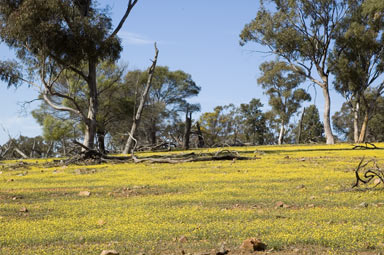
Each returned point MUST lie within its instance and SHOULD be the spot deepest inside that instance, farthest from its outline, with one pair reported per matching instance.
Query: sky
(199, 37)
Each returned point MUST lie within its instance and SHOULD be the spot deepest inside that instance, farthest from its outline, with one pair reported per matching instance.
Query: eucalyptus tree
(188, 109)
(281, 83)
(358, 61)
(52, 37)
(253, 122)
(301, 33)
(311, 127)
(167, 95)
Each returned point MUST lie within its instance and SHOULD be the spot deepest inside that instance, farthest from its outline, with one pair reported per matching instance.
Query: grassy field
(195, 207)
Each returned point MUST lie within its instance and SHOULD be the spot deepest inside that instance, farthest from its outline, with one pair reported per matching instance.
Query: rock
(253, 244)
(23, 209)
(311, 206)
(1, 172)
(312, 197)
(100, 222)
(279, 204)
(109, 252)
(363, 204)
(222, 250)
(182, 239)
(302, 186)
(17, 197)
(84, 193)
(377, 181)
(10, 180)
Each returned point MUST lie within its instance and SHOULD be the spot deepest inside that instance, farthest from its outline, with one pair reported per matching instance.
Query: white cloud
(136, 39)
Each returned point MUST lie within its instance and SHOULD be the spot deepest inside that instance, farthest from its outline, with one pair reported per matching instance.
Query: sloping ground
(297, 199)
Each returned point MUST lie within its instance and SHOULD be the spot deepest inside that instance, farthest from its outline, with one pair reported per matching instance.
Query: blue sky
(199, 37)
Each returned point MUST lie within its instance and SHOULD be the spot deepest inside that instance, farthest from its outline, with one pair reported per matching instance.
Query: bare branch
(131, 4)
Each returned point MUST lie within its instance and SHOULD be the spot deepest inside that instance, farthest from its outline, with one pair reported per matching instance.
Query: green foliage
(231, 125)
(312, 128)
(253, 121)
(343, 122)
(63, 30)
(280, 83)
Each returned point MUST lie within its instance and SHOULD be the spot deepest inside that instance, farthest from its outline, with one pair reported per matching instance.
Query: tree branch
(131, 4)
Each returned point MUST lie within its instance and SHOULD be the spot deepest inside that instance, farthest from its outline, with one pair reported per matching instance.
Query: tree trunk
(327, 113)
(64, 148)
(356, 109)
(300, 127)
(90, 123)
(281, 135)
(152, 134)
(364, 128)
(50, 146)
(200, 136)
(101, 142)
(187, 130)
(129, 144)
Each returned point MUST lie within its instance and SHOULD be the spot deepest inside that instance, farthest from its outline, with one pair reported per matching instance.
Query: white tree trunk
(129, 144)
(327, 112)
(281, 135)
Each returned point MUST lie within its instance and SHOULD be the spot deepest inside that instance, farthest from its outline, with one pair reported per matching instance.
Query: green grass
(147, 207)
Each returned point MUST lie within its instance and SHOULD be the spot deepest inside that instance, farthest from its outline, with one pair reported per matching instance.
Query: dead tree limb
(368, 174)
(136, 121)
(367, 146)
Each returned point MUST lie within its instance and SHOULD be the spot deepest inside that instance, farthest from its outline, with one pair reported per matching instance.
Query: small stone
(77, 171)
(363, 204)
(279, 204)
(101, 222)
(302, 186)
(23, 209)
(10, 180)
(84, 193)
(222, 250)
(183, 239)
(17, 197)
(1, 172)
(312, 197)
(286, 206)
(311, 206)
(253, 244)
(296, 250)
(377, 181)
(380, 204)
(109, 252)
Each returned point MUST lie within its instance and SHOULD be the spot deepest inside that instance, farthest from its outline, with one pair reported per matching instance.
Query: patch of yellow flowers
(147, 207)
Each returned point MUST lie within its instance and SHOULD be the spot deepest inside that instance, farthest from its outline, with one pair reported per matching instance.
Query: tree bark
(327, 112)
(129, 144)
(101, 142)
(90, 123)
(64, 148)
(364, 128)
(281, 135)
(200, 136)
(187, 130)
(300, 127)
(356, 109)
